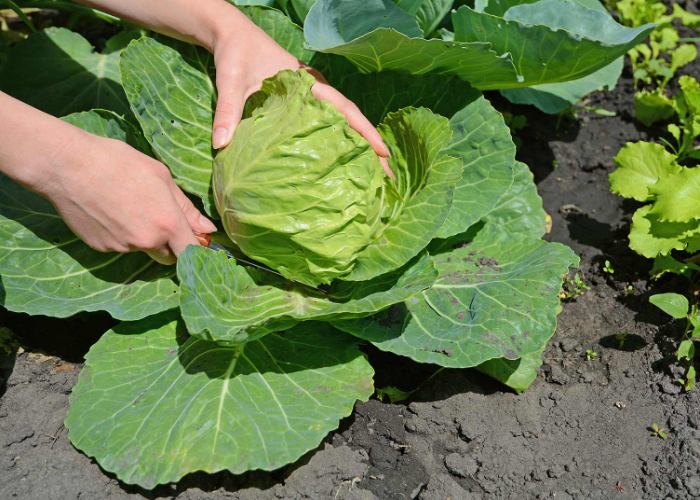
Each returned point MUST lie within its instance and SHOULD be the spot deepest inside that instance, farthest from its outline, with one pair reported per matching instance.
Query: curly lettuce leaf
(652, 106)
(640, 166)
(677, 196)
(652, 238)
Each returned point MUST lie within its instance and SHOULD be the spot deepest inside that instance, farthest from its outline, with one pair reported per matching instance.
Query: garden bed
(582, 430)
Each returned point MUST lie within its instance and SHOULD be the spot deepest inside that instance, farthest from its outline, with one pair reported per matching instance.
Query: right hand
(117, 199)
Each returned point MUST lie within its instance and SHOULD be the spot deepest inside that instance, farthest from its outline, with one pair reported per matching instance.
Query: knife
(206, 241)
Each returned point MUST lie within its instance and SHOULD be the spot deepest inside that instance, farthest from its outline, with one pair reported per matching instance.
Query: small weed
(573, 288)
(621, 337)
(658, 432)
(591, 355)
(629, 290)
(608, 268)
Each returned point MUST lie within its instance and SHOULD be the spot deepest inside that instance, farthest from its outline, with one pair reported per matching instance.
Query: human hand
(247, 56)
(118, 199)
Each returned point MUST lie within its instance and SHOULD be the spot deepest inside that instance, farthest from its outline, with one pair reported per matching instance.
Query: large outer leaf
(410, 6)
(242, 3)
(430, 13)
(46, 269)
(552, 40)
(59, 72)
(520, 210)
(331, 23)
(425, 180)
(377, 94)
(172, 94)
(483, 141)
(518, 374)
(373, 48)
(108, 124)
(152, 406)
(500, 7)
(555, 97)
(171, 90)
(496, 297)
(281, 29)
(227, 303)
(301, 7)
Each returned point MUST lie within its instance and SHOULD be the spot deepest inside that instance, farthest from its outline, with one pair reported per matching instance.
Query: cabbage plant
(219, 364)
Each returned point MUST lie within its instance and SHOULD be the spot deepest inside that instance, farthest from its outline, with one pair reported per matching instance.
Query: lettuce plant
(649, 60)
(221, 365)
(648, 172)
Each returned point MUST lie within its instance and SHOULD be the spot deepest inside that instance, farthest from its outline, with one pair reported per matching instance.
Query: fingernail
(219, 137)
(207, 224)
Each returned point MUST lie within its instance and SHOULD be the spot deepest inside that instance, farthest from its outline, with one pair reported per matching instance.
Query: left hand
(244, 59)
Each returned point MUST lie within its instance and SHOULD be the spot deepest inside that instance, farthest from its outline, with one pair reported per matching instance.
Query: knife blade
(206, 241)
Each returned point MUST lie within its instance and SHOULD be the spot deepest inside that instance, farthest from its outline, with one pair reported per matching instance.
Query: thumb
(197, 221)
(229, 109)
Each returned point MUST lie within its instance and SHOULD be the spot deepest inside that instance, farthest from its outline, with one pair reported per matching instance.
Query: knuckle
(147, 240)
(226, 107)
(167, 226)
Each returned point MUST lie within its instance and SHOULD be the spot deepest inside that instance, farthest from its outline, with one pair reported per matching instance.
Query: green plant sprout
(648, 172)
(573, 111)
(591, 355)
(573, 288)
(658, 432)
(659, 60)
(396, 395)
(678, 307)
(629, 290)
(608, 268)
(621, 337)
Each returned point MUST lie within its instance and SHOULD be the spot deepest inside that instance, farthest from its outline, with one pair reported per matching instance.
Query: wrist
(226, 25)
(63, 157)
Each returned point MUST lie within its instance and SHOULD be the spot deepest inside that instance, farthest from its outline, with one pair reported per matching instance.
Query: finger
(229, 109)
(197, 221)
(385, 166)
(355, 118)
(182, 237)
(163, 256)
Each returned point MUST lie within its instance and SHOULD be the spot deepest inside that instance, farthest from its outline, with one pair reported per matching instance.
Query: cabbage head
(297, 188)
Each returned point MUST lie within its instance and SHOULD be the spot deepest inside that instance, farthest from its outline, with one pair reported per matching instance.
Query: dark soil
(581, 431)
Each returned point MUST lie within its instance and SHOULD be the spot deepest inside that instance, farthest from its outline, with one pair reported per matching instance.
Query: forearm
(33, 144)
(200, 22)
